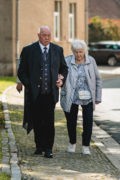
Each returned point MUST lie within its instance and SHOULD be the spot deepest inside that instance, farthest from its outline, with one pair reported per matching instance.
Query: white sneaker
(71, 148)
(86, 150)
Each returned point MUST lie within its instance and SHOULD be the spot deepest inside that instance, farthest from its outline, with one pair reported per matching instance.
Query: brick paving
(64, 166)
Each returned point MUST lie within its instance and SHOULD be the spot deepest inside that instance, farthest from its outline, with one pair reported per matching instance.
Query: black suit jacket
(29, 68)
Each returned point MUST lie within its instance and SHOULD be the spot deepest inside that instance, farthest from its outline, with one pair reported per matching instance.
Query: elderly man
(43, 71)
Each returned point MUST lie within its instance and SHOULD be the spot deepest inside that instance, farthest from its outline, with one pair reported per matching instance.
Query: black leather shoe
(38, 152)
(48, 154)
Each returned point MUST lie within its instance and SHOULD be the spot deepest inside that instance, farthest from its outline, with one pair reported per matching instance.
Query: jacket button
(38, 86)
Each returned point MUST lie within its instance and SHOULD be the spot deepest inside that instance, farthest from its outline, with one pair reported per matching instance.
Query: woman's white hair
(79, 44)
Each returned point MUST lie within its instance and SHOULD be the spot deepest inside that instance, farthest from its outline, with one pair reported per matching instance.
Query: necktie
(45, 53)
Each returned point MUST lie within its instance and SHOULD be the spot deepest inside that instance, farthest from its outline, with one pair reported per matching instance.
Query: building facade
(7, 37)
(66, 18)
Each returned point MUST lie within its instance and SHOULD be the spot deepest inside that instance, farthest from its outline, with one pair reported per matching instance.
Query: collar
(42, 47)
(87, 61)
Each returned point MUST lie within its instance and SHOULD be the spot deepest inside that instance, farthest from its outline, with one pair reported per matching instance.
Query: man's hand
(59, 82)
(19, 87)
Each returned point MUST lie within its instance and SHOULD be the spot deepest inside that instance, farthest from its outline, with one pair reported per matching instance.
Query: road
(107, 114)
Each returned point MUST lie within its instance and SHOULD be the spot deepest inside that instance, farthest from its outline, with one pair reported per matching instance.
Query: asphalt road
(107, 114)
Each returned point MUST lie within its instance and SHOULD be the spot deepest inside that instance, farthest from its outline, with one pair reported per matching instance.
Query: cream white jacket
(93, 79)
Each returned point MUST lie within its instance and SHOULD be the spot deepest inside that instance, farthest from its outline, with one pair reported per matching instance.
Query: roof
(104, 8)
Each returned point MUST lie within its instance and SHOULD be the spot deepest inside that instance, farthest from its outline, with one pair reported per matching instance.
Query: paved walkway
(18, 148)
(19, 161)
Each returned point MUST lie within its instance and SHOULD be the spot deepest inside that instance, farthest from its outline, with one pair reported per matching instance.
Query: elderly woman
(83, 87)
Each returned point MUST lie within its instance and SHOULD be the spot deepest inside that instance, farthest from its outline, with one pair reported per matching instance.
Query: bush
(100, 29)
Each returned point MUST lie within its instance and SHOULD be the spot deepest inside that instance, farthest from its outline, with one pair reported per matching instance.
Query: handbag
(84, 95)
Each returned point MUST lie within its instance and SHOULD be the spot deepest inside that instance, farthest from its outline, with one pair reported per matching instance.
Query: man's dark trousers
(43, 122)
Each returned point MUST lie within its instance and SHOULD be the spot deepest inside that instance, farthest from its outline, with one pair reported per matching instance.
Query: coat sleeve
(23, 69)
(63, 66)
(18, 62)
(98, 82)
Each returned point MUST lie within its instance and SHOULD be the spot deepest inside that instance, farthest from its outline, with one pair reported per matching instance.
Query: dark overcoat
(29, 74)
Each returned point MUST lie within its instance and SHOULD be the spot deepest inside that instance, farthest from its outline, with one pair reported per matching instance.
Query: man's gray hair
(42, 28)
(79, 44)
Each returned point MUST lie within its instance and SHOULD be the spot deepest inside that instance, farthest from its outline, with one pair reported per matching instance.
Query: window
(57, 20)
(72, 23)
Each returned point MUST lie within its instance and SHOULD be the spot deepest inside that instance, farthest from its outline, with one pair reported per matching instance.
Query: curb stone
(107, 145)
(9, 148)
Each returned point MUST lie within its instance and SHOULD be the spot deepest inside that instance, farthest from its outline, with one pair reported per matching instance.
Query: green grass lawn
(4, 176)
(5, 82)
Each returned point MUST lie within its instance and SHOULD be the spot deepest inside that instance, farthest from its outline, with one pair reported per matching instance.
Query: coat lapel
(38, 53)
(52, 54)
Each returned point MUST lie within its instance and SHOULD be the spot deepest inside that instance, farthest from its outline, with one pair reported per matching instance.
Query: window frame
(57, 21)
(72, 21)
